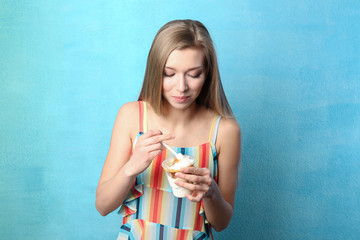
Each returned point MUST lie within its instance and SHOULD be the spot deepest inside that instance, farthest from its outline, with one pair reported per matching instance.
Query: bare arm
(219, 207)
(120, 170)
(218, 199)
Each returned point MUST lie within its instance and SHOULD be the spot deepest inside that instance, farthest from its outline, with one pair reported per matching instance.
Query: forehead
(185, 58)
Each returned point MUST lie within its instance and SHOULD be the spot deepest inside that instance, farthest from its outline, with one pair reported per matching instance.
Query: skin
(184, 77)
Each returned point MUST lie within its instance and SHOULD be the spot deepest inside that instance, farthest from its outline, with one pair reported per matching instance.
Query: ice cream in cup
(173, 165)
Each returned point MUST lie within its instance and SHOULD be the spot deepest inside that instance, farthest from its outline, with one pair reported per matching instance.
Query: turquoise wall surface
(291, 71)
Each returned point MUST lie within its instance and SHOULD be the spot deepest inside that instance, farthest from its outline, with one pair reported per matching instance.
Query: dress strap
(214, 129)
(142, 117)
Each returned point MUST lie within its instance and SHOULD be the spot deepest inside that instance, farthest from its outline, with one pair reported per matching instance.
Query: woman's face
(183, 77)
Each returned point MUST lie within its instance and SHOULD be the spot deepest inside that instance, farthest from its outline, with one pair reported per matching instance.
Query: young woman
(182, 103)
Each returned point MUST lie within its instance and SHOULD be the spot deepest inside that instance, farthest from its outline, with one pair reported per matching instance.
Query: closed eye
(169, 75)
(195, 75)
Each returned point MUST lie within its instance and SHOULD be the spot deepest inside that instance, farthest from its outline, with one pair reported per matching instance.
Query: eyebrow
(190, 69)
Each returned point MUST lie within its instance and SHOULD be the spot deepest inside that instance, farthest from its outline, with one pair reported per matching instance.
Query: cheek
(166, 85)
(198, 85)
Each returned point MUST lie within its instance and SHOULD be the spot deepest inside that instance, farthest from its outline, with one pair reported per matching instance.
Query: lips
(180, 99)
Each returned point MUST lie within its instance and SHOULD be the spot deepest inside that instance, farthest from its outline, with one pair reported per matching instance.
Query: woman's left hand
(199, 181)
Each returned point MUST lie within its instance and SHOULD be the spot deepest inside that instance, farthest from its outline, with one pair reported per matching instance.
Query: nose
(182, 84)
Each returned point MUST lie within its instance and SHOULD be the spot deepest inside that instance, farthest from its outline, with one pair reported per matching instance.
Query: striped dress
(151, 211)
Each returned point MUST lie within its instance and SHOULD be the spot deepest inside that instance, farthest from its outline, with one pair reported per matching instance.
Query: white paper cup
(170, 171)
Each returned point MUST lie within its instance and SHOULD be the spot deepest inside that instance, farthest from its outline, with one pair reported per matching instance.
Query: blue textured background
(291, 70)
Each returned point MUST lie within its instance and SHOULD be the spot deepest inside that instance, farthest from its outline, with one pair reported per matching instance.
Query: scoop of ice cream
(175, 164)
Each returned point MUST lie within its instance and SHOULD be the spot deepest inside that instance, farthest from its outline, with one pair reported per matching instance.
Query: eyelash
(193, 76)
(168, 75)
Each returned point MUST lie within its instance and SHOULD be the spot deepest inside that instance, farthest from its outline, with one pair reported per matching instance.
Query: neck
(178, 117)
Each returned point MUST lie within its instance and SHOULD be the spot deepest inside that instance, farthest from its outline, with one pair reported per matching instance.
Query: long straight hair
(177, 35)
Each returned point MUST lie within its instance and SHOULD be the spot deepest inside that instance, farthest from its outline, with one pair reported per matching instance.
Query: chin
(185, 105)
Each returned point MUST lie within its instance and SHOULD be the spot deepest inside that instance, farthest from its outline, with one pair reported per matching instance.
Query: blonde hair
(181, 34)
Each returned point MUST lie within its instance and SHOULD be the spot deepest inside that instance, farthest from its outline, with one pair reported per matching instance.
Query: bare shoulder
(128, 116)
(229, 134)
(229, 127)
(130, 108)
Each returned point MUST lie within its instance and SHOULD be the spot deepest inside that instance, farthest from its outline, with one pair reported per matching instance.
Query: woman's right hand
(147, 147)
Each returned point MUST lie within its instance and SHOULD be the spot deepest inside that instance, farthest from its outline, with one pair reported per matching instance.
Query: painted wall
(291, 70)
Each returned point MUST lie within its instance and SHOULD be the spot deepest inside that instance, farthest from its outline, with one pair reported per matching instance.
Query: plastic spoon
(177, 155)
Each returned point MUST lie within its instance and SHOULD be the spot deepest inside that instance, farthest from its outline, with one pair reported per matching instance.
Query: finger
(189, 177)
(195, 197)
(163, 137)
(153, 154)
(192, 187)
(158, 138)
(201, 179)
(151, 133)
(195, 170)
(154, 147)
